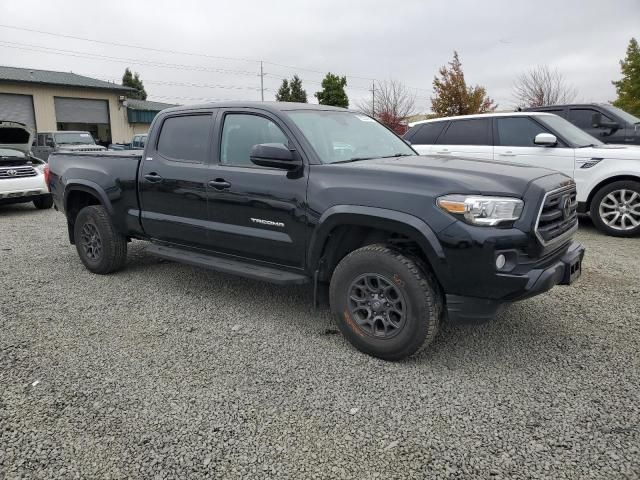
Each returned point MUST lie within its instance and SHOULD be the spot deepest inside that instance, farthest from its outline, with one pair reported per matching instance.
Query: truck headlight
(481, 210)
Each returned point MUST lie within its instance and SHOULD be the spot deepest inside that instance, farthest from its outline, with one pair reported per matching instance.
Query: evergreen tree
(284, 92)
(332, 92)
(298, 94)
(453, 97)
(133, 80)
(628, 88)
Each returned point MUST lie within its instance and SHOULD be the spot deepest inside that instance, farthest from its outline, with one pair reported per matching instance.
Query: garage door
(17, 108)
(80, 110)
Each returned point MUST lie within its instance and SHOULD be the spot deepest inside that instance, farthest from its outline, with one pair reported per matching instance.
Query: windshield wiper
(354, 159)
(400, 155)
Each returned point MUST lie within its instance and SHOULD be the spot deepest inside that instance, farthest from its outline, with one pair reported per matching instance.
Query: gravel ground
(167, 371)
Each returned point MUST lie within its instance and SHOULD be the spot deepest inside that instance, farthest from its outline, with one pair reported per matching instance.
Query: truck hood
(614, 152)
(456, 175)
(16, 136)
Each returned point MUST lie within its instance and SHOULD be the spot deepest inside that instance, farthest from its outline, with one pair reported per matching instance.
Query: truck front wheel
(388, 306)
(615, 209)
(100, 247)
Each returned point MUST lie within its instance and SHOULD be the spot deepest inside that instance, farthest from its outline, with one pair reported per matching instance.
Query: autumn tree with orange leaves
(453, 97)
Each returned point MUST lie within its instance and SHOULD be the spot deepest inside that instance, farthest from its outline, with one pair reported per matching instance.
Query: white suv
(607, 176)
(22, 176)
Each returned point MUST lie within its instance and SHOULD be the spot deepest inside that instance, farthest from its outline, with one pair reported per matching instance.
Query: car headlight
(481, 210)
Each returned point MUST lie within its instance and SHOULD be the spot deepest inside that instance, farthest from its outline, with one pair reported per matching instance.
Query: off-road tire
(630, 186)
(113, 254)
(43, 203)
(416, 284)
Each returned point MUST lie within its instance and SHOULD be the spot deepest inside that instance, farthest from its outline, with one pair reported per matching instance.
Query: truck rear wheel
(615, 209)
(100, 247)
(387, 305)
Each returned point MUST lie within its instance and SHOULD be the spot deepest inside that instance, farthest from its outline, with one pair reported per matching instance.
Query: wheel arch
(604, 183)
(343, 228)
(79, 194)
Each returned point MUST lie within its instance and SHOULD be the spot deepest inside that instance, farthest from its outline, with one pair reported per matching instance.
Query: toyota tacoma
(295, 193)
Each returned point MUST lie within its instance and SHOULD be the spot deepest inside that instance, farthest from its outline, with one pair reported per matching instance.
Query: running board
(227, 265)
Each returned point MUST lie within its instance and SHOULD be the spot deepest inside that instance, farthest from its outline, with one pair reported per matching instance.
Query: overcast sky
(405, 40)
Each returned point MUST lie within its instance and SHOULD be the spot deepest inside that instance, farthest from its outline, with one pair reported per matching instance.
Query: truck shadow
(520, 332)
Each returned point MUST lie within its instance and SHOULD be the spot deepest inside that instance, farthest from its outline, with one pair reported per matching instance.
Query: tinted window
(185, 137)
(467, 132)
(427, 133)
(241, 132)
(518, 132)
(581, 117)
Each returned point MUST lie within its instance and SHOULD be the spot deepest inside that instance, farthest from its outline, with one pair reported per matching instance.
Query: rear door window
(185, 138)
(427, 133)
(474, 131)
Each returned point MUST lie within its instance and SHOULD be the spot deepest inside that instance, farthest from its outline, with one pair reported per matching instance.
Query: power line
(132, 61)
(181, 52)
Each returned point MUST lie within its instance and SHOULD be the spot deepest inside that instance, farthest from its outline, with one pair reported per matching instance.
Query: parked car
(298, 193)
(22, 176)
(75, 141)
(607, 176)
(137, 143)
(607, 123)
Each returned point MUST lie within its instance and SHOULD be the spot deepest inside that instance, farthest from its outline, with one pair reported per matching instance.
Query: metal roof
(49, 77)
(147, 105)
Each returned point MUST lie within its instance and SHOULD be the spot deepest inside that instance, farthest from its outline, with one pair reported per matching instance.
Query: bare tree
(391, 102)
(542, 86)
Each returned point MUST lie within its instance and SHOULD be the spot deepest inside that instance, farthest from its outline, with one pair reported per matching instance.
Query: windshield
(10, 152)
(568, 131)
(627, 117)
(78, 138)
(347, 136)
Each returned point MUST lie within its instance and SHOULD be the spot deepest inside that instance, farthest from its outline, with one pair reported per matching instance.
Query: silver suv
(63, 141)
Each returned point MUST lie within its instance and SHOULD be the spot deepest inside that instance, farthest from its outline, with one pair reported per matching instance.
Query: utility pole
(373, 98)
(261, 82)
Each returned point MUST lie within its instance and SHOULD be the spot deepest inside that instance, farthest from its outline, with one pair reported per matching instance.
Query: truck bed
(109, 173)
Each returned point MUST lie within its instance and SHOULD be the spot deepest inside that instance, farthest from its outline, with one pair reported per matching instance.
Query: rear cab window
(186, 138)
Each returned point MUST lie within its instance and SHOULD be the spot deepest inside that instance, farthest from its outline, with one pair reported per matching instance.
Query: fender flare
(404, 223)
(74, 185)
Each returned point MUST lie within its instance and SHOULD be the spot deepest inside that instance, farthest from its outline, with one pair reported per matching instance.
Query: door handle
(219, 184)
(443, 151)
(153, 177)
(508, 154)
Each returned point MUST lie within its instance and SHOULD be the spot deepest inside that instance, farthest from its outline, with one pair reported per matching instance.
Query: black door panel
(260, 215)
(173, 180)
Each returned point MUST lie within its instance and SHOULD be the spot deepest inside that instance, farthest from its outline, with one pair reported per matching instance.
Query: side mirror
(596, 122)
(275, 155)
(545, 140)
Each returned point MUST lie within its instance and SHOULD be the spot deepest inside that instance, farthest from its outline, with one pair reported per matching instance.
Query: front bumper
(14, 188)
(564, 271)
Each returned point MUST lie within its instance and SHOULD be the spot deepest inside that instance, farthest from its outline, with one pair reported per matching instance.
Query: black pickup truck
(295, 193)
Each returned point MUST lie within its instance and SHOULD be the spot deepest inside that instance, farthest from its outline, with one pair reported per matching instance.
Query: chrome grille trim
(554, 212)
(17, 172)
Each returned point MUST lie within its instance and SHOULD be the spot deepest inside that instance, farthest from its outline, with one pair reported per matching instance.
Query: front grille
(558, 215)
(17, 172)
